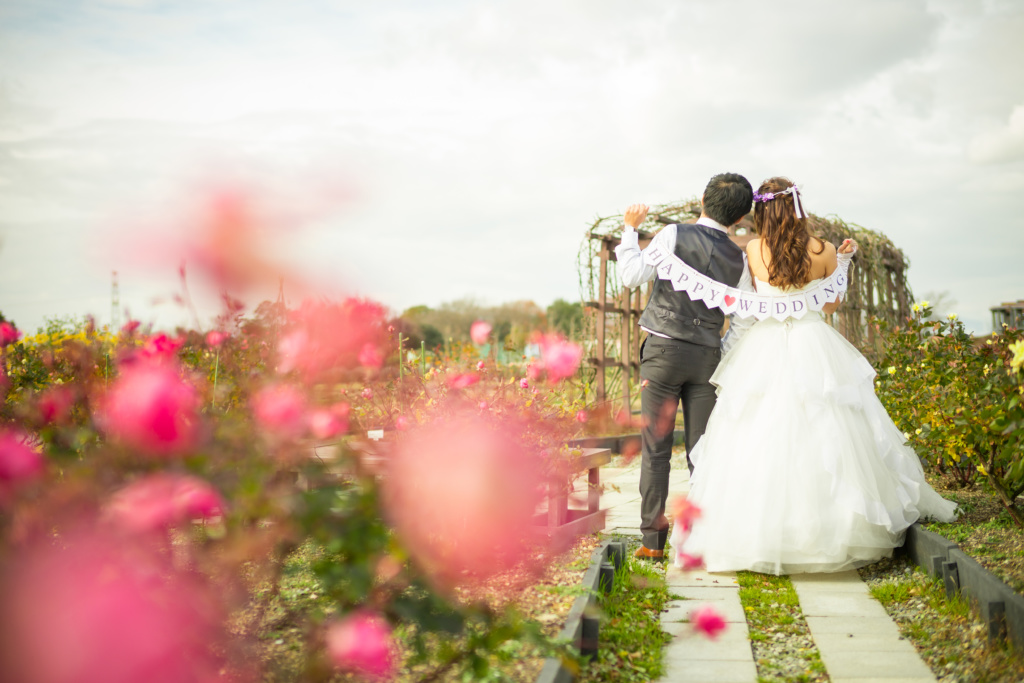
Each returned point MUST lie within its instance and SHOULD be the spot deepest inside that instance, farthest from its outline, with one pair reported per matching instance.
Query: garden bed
(544, 599)
(986, 532)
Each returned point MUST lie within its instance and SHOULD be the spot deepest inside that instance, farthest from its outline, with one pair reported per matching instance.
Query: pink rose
(159, 501)
(524, 383)
(687, 562)
(325, 423)
(93, 609)
(463, 380)
(479, 332)
(561, 358)
(55, 404)
(370, 357)
(707, 620)
(8, 334)
(150, 408)
(582, 416)
(161, 347)
(685, 513)
(361, 643)
(367, 393)
(480, 366)
(453, 483)
(19, 463)
(215, 338)
(281, 410)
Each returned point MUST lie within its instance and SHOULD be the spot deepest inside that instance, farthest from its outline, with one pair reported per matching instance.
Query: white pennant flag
(780, 308)
(815, 298)
(797, 305)
(762, 306)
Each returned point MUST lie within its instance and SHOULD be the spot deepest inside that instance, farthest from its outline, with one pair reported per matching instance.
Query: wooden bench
(562, 519)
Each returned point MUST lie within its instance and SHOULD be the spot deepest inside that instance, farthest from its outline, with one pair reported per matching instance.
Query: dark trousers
(670, 371)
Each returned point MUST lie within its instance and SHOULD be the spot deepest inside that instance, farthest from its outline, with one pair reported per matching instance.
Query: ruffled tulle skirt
(800, 468)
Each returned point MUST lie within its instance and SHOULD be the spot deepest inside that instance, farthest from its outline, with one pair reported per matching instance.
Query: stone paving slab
(733, 644)
(677, 578)
(855, 636)
(711, 671)
(883, 627)
(839, 604)
(730, 609)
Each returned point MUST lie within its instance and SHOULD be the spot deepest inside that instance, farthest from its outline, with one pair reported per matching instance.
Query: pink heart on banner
(729, 300)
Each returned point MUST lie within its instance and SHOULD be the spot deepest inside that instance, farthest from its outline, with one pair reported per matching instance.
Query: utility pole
(115, 303)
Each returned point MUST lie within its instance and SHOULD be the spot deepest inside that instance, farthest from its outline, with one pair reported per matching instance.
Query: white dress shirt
(634, 272)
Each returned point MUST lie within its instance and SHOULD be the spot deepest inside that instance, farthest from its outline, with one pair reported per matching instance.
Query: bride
(800, 468)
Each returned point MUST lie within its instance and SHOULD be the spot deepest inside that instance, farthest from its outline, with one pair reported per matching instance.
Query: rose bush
(957, 400)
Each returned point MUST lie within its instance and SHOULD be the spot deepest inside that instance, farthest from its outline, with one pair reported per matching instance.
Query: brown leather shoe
(645, 553)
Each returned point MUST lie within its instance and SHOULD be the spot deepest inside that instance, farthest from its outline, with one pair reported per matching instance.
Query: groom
(683, 344)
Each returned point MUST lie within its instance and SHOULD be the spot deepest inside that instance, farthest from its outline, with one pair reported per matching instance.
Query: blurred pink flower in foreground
(8, 333)
(480, 366)
(463, 380)
(330, 336)
(688, 562)
(707, 620)
(401, 423)
(462, 494)
(370, 357)
(479, 332)
(561, 358)
(325, 423)
(524, 383)
(582, 416)
(55, 404)
(281, 410)
(215, 338)
(130, 326)
(90, 610)
(361, 643)
(161, 347)
(152, 409)
(159, 501)
(367, 393)
(685, 513)
(18, 463)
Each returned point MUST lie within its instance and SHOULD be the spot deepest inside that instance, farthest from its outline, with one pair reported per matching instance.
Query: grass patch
(782, 644)
(631, 642)
(946, 633)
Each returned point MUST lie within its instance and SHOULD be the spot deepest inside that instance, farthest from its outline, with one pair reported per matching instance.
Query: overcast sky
(460, 149)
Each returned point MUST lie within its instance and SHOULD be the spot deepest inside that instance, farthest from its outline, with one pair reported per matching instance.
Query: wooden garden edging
(1001, 608)
(582, 626)
(623, 443)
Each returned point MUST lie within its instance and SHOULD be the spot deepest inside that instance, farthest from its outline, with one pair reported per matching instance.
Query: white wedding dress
(800, 468)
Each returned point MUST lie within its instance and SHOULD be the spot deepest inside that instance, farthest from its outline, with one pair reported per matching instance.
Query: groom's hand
(635, 215)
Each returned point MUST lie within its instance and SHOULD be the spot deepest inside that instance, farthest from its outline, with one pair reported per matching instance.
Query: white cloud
(484, 137)
(1005, 143)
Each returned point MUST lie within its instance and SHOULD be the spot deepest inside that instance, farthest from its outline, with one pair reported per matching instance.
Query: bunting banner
(734, 301)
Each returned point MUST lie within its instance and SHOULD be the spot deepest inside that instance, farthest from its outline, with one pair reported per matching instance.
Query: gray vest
(673, 313)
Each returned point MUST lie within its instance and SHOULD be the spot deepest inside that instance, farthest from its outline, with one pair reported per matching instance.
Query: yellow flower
(952, 317)
(892, 370)
(916, 308)
(917, 431)
(1018, 354)
(982, 470)
(925, 304)
(906, 435)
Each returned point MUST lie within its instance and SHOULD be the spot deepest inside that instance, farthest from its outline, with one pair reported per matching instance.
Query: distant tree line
(512, 323)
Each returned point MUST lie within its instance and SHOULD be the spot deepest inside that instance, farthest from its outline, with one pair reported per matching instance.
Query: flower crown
(792, 189)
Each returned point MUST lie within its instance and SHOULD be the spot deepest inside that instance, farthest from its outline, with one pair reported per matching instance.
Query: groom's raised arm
(631, 267)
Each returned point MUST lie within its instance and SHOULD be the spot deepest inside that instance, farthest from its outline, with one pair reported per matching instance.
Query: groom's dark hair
(727, 198)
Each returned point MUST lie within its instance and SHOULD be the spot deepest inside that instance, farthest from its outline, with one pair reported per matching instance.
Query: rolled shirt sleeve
(738, 326)
(631, 267)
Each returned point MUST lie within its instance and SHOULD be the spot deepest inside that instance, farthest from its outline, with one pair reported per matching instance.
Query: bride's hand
(847, 247)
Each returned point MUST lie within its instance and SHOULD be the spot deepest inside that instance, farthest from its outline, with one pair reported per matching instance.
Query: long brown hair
(785, 235)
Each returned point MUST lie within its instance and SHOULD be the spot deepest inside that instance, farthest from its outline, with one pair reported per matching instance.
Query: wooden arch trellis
(878, 289)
